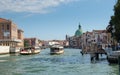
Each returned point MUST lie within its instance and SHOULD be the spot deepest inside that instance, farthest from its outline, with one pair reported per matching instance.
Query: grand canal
(69, 63)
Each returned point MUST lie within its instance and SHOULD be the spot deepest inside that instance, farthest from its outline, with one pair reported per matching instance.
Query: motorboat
(56, 49)
(30, 50)
(113, 57)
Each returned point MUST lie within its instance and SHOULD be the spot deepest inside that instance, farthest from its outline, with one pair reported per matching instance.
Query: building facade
(96, 38)
(31, 42)
(86, 40)
(21, 37)
(75, 41)
(10, 35)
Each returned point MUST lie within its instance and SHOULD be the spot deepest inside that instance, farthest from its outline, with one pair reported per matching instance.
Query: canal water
(69, 63)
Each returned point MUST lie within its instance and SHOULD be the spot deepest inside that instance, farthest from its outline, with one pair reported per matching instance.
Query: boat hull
(30, 51)
(113, 57)
(57, 52)
(24, 53)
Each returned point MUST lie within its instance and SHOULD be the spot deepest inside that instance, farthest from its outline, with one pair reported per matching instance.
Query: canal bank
(69, 63)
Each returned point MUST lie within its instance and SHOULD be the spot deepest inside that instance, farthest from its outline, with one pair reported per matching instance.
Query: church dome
(79, 31)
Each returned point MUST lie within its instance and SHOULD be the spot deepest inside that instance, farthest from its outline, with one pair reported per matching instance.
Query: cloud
(30, 6)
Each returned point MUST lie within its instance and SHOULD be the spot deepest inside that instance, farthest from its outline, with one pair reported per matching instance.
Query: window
(2, 27)
(8, 27)
(8, 36)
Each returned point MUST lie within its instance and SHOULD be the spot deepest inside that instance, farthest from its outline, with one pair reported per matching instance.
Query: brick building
(31, 42)
(10, 35)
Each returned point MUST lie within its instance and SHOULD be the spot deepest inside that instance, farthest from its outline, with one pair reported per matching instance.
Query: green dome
(79, 31)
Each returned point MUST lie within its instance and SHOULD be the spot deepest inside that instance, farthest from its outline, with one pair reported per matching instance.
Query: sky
(53, 19)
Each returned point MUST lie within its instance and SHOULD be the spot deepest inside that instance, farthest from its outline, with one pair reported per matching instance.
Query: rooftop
(78, 31)
(4, 20)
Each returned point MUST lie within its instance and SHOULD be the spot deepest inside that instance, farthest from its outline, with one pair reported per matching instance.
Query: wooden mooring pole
(97, 56)
(92, 56)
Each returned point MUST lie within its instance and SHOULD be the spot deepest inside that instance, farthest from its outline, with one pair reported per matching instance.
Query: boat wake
(3, 60)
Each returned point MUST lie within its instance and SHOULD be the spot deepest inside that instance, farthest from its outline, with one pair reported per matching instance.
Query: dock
(94, 51)
(94, 54)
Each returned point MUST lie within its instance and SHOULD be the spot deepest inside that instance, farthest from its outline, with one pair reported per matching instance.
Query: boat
(30, 50)
(56, 49)
(113, 57)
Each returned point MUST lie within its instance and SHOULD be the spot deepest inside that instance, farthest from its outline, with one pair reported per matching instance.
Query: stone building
(86, 40)
(10, 35)
(75, 41)
(20, 36)
(31, 42)
(99, 38)
(60, 42)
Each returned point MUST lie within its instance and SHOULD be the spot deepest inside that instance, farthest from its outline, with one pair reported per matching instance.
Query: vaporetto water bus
(56, 49)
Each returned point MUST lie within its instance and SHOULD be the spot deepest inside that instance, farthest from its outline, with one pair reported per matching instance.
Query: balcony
(13, 40)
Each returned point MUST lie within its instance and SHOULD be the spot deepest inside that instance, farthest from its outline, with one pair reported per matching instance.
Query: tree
(115, 20)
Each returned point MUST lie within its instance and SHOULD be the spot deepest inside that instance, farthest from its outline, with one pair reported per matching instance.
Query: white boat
(30, 50)
(113, 57)
(56, 49)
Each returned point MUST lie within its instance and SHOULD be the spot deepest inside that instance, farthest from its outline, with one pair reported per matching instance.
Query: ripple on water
(69, 63)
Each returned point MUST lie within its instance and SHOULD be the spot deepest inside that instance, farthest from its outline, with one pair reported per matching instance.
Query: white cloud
(32, 6)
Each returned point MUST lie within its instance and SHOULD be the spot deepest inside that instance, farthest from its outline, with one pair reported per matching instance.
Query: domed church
(79, 31)
(75, 41)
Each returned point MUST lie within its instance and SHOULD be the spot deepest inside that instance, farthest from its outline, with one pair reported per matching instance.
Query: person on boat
(21, 49)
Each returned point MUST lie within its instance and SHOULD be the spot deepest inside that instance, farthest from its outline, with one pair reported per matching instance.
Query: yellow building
(10, 35)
